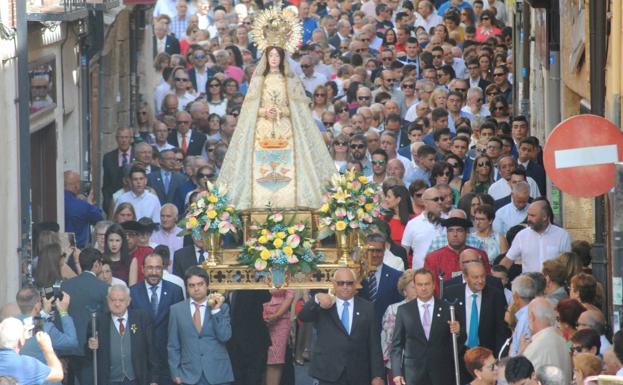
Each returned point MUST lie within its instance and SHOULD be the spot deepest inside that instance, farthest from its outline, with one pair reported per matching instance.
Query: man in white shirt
(541, 241)
(167, 234)
(515, 212)
(144, 202)
(161, 132)
(507, 168)
(311, 79)
(421, 230)
(426, 17)
(388, 144)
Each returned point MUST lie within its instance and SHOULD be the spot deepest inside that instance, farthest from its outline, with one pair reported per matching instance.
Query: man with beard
(421, 230)
(359, 152)
(155, 296)
(541, 241)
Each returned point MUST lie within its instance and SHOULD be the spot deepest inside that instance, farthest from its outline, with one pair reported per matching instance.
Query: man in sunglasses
(421, 230)
(359, 152)
(311, 78)
(200, 73)
(348, 344)
(388, 83)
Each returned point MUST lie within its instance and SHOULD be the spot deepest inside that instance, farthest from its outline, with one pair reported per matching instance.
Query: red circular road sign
(579, 155)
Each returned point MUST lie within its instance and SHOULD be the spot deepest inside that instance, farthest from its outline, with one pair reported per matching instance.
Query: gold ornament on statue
(277, 27)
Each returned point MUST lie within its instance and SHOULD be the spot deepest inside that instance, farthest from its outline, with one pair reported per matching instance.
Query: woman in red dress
(277, 317)
(398, 211)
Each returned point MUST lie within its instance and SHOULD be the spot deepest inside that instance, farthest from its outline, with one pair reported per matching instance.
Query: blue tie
(473, 340)
(372, 289)
(154, 300)
(167, 180)
(346, 317)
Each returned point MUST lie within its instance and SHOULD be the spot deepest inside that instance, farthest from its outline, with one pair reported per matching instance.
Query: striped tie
(372, 286)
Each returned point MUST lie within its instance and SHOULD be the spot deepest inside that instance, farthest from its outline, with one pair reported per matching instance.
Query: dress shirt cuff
(214, 311)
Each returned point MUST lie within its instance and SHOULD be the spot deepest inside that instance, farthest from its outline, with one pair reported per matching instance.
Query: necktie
(154, 299)
(426, 324)
(124, 159)
(372, 286)
(184, 144)
(197, 316)
(473, 324)
(121, 326)
(346, 317)
(166, 179)
(202, 257)
(161, 46)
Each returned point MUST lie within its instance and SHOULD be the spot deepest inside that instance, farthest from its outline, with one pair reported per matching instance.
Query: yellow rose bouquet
(211, 212)
(350, 201)
(280, 244)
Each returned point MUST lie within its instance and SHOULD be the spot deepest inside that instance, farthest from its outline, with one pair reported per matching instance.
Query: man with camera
(35, 310)
(26, 370)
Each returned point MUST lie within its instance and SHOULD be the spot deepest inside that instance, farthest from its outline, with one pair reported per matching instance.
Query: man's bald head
(468, 256)
(430, 193)
(72, 181)
(457, 213)
(592, 319)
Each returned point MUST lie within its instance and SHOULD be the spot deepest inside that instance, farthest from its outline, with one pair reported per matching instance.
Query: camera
(53, 291)
(33, 325)
(85, 187)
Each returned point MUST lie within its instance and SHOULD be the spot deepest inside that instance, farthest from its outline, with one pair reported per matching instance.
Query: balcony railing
(56, 10)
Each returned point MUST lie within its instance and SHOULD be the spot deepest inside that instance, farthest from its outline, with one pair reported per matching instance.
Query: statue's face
(274, 59)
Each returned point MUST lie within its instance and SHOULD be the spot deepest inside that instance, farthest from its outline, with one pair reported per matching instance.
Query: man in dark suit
(200, 71)
(166, 181)
(248, 346)
(125, 354)
(381, 285)
(348, 346)
(422, 341)
(164, 41)
(188, 256)
(88, 296)
(198, 331)
(113, 164)
(473, 68)
(154, 297)
(527, 148)
(479, 309)
(183, 137)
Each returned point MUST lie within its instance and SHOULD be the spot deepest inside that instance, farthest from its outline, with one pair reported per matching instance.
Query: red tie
(121, 326)
(184, 144)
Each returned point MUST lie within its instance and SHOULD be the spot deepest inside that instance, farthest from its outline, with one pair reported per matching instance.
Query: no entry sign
(580, 153)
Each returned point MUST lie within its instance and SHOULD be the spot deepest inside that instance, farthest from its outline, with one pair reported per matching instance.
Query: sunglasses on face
(199, 56)
(498, 74)
(484, 18)
(437, 56)
(408, 85)
(357, 146)
(484, 164)
(328, 124)
(181, 79)
(206, 176)
(345, 283)
(435, 199)
(320, 94)
(340, 143)
(377, 162)
(363, 97)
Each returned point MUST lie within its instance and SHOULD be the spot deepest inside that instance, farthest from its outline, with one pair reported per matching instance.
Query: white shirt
(198, 252)
(161, 44)
(310, 83)
(145, 205)
(432, 21)
(202, 80)
(431, 309)
(188, 134)
(501, 188)
(202, 309)
(174, 279)
(166, 146)
(393, 261)
(534, 248)
(508, 216)
(167, 7)
(339, 305)
(418, 235)
(115, 321)
(468, 308)
(184, 100)
(161, 91)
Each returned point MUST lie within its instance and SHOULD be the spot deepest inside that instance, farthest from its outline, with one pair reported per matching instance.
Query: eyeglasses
(484, 164)
(320, 94)
(377, 162)
(498, 74)
(339, 111)
(360, 50)
(181, 79)
(305, 65)
(576, 349)
(435, 199)
(437, 56)
(201, 175)
(199, 56)
(340, 143)
(327, 124)
(363, 97)
(357, 146)
(215, 85)
(183, 122)
(408, 85)
(345, 283)
(484, 18)
(446, 173)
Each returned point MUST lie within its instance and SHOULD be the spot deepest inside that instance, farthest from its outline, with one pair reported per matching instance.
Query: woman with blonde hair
(585, 365)
(320, 103)
(340, 151)
(438, 98)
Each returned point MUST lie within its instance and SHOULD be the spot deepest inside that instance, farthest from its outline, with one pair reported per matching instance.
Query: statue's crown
(277, 27)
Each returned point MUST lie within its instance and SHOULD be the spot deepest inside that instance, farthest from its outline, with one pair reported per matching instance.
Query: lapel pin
(357, 313)
(438, 315)
(461, 303)
(165, 293)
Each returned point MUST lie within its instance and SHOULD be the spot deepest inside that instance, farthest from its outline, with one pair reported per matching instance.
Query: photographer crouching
(36, 311)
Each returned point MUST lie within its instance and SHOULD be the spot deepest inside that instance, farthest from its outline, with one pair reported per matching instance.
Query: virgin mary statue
(276, 156)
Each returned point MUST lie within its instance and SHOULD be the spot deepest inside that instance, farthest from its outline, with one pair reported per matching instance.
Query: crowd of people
(414, 94)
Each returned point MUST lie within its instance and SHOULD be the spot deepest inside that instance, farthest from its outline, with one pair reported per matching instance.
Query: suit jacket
(156, 180)
(492, 330)
(386, 294)
(183, 259)
(193, 353)
(112, 179)
(192, 75)
(88, 296)
(483, 83)
(171, 45)
(138, 326)
(417, 359)
(537, 172)
(405, 151)
(335, 41)
(170, 294)
(195, 145)
(358, 354)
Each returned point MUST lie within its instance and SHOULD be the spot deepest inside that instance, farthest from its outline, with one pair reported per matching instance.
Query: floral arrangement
(351, 201)
(276, 243)
(211, 212)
